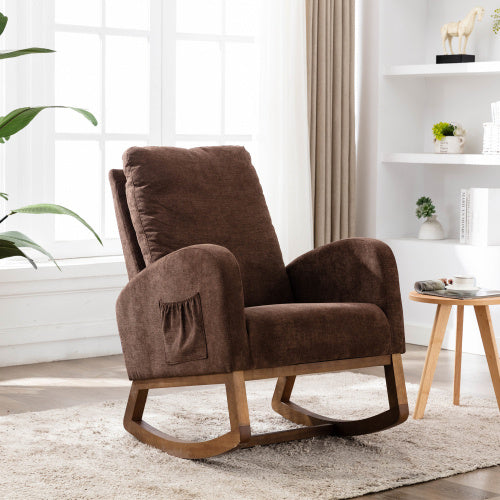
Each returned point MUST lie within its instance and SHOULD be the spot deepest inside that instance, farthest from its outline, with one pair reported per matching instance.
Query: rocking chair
(210, 300)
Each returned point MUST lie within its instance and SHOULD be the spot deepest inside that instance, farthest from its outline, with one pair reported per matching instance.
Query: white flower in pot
(448, 137)
(431, 229)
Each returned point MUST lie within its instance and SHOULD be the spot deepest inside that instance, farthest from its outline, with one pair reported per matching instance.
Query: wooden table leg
(458, 355)
(490, 346)
(437, 335)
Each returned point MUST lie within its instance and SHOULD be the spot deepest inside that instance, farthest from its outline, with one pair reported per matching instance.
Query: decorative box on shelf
(455, 58)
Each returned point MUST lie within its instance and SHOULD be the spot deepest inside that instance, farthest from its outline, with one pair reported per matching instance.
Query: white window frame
(171, 36)
(33, 83)
(153, 35)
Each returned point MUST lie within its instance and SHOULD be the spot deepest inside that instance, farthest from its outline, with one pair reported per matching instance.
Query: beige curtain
(330, 68)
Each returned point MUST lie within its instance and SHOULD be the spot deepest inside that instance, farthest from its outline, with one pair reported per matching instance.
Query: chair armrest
(351, 270)
(208, 273)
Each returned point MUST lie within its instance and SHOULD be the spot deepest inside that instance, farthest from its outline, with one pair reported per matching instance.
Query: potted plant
(496, 21)
(12, 242)
(448, 137)
(431, 229)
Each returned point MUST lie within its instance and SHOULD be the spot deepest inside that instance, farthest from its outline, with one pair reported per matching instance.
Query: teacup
(464, 281)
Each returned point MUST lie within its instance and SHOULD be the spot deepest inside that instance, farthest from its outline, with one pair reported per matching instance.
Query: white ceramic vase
(449, 144)
(431, 229)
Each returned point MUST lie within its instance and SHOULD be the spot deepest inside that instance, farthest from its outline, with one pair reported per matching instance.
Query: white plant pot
(431, 229)
(449, 144)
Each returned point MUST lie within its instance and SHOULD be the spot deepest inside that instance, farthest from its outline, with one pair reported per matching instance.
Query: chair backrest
(131, 250)
(180, 197)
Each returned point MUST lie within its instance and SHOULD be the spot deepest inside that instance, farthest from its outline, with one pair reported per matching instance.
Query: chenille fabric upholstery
(208, 290)
(131, 250)
(352, 270)
(180, 197)
(208, 270)
(289, 334)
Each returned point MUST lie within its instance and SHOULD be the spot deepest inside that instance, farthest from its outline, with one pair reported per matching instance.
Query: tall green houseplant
(12, 242)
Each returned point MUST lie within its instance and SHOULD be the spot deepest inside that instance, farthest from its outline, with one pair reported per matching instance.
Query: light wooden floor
(66, 383)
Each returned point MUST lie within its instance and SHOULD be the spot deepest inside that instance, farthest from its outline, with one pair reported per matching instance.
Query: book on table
(463, 294)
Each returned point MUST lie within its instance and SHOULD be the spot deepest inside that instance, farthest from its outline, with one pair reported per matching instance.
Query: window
(214, 91)
(103, 63)
(152, 71)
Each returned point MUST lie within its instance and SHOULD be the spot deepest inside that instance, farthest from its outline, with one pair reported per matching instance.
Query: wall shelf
(417, 241)
(430, 70)
(441, 159)
(410, 97)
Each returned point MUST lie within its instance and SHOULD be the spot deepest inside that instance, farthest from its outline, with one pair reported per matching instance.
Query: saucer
(460, 289)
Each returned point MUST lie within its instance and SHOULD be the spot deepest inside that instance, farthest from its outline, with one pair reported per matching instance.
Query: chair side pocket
(183, 330)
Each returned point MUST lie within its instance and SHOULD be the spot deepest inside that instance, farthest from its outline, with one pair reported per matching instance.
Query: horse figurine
(462, 30)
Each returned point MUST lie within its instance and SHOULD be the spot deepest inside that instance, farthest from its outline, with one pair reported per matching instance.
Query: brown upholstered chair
(210, 300)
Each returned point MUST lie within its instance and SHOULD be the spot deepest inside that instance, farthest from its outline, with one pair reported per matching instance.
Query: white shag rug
(84, 452)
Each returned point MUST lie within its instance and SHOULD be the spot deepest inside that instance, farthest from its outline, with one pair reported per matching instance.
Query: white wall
(396, 115)
(48, 315)
(366, 115)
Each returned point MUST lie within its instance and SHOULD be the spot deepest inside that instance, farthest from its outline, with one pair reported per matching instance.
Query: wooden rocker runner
(240, 435)
(210, 300)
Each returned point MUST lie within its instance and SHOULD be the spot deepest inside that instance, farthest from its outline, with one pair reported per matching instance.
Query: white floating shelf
(441, 159)
(429, 70)
(444, 245)
(418, 241)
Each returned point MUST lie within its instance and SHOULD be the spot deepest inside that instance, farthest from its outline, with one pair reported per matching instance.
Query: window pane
(241, 84)
(199, 16)
(196, 144)
(198, 85)
(127, 84)
(127, 14)
(113, 159)
(77, 80)
(241, 16)
(79, 12)
(78, 187)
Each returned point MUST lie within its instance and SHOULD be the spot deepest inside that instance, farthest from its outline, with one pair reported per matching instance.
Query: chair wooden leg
(238, 405)
(397, 413)
(238, 416)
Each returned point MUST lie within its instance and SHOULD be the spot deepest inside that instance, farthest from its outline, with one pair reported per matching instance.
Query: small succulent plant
(496, 21)
(425, 208)
(445, 129)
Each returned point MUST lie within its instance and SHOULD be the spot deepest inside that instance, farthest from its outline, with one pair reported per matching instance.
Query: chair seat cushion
(289, 334)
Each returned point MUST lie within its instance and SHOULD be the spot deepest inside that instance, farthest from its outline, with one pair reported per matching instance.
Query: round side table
(444, 305)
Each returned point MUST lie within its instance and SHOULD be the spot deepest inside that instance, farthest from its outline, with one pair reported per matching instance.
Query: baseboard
(50, 315)
(68, 341)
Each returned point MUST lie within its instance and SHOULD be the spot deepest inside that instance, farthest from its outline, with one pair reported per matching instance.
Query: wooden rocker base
(240, 435)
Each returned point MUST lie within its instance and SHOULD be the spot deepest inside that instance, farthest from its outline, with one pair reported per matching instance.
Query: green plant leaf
(5, 196)
(19, 118)
(87, 114)
(48, 208)
(9, 249)
(443, 129)
(7, 54)
(21, 240)
(425, 207)
(3, 22)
